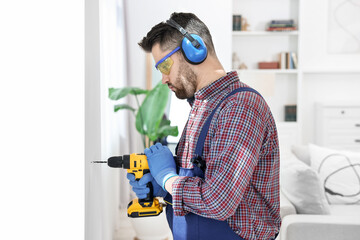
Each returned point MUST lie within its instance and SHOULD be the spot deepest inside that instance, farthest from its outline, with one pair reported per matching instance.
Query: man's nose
(165, 79)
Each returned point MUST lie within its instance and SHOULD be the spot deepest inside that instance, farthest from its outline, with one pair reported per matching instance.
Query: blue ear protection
(192, 46)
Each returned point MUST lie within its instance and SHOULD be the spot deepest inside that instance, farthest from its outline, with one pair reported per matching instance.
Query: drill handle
(150, 195)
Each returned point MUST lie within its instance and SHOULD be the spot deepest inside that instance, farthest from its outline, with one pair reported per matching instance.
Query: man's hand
(161, 163)
(140, 188)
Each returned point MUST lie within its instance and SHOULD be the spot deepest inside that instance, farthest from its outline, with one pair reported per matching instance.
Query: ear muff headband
(183, 32)
(192, 45)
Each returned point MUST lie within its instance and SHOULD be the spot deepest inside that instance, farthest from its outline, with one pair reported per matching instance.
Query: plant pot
(152, 228)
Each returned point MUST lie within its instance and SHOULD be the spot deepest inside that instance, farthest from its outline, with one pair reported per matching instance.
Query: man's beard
(185, 82)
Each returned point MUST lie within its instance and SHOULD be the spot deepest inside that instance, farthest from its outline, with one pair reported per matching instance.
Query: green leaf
(164, 122)
(151, 111)
(123, 106)
(117, 93)
(167, 130)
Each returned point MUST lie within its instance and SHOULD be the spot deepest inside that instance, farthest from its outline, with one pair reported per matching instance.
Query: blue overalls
(192, 226)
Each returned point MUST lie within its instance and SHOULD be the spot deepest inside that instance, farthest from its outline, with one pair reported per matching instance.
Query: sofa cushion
(339, 173)
(301, 152)
(301, 185)
(345, 210)
(286, 207)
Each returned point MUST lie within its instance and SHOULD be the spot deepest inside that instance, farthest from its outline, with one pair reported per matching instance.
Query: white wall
(93, 176)
(42, 120)
(326, 77)
(315, 24)
(105, 131)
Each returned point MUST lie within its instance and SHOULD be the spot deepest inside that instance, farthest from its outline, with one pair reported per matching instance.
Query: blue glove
(140, 188)
(161, 163)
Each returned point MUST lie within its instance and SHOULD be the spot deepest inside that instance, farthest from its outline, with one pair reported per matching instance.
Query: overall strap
(197, 158)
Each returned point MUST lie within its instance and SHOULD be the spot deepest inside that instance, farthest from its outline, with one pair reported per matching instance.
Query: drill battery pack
(144, 209)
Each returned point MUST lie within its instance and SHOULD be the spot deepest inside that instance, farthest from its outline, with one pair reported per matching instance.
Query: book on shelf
(281, 25)
(290, 113)
(294, 60)
(268, 65)
(280, 29)
(286, 21)
(288, 60)
(237, 22)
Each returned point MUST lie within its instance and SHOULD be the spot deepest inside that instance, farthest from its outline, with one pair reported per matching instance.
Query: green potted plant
(152, 126)
(149, 115)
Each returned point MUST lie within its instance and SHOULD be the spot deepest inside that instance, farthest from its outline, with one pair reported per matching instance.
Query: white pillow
(301, 185)
(301, 152)
(339, 172)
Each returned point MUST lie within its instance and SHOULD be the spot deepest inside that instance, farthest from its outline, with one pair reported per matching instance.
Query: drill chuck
(119, 162)
(115, 162)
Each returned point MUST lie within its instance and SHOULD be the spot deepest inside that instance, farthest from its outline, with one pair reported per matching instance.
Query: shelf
(324, 71)
(275, 71)
(287, 124)
(304, 71)
(265, 33)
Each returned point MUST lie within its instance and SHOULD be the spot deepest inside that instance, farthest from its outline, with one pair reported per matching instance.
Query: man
(224, 182)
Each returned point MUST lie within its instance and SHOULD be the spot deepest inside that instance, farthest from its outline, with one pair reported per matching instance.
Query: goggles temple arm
(168, 55)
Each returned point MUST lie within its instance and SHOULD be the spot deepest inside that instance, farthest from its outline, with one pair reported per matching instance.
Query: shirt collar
(217, 86)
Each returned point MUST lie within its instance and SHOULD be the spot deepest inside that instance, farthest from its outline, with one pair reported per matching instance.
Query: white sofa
(312, 218)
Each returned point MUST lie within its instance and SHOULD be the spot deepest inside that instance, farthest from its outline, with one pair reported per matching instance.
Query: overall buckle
(199, 162)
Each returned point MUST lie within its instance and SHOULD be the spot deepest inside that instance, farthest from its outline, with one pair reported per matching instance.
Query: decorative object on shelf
(268, 65)
(281, 25)
(243, 66)
(235, 61)
(290, 113)
(236, 22)
(288, 60)
(244, 24)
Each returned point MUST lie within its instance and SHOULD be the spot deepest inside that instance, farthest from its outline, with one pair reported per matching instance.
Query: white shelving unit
(322, 74)
(279, 87)
(264, 33)
(277, 71)
(335, 71)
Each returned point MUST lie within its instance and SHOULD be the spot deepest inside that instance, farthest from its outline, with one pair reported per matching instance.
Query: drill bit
(115, 162)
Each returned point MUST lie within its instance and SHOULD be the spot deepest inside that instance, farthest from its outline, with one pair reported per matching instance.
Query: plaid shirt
(241, 151)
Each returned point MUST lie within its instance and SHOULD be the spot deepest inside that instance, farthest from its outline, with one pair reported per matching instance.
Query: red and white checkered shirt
(241, 151)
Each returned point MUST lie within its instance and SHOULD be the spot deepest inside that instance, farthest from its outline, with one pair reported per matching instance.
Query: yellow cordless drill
(137, 164)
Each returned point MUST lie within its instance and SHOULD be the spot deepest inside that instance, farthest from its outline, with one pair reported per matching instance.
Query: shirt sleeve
(235, 144)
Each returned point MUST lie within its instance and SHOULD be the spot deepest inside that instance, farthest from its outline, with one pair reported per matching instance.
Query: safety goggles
(164, 65)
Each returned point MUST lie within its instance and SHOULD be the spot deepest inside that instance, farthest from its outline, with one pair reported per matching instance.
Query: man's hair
(169, 38)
